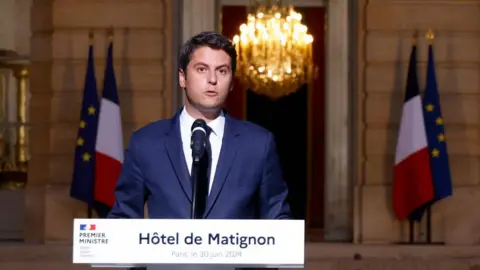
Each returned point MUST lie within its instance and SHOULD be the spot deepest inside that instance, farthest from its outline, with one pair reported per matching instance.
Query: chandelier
(274, 51)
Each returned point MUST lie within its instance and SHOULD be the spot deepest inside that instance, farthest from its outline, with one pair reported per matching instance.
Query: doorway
(297, 122)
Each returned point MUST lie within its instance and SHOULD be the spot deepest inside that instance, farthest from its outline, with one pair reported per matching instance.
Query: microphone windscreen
(199, 123)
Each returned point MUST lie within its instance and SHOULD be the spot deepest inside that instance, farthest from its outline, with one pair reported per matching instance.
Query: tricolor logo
(86, 227)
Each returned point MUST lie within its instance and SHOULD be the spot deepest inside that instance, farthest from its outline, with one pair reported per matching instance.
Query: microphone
(197, 141)
(197, 144)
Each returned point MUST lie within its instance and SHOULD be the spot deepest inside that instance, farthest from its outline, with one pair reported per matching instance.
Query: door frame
(203, 15)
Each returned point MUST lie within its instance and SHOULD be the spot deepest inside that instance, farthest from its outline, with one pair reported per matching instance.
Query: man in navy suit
(244, 179)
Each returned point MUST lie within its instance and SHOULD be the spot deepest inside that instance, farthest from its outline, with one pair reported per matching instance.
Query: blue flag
(82, 187)
(436, 137)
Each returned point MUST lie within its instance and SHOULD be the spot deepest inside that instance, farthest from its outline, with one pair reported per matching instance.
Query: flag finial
(430, 36)
(110, 34)
(415, 37)
(90, 36)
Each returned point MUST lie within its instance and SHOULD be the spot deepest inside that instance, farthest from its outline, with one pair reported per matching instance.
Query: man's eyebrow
(200, 64)
(224, 66)
(205, 64)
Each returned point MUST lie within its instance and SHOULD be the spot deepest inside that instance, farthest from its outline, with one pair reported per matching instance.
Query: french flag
(412, 179)
(109, 146)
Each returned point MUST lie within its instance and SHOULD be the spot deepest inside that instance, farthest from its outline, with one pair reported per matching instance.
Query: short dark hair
(211, 39)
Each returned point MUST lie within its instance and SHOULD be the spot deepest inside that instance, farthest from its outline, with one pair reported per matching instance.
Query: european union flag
(84, 168)
(435, 128)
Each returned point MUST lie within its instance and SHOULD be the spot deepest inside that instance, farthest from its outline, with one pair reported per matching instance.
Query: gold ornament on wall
(274, 50)
(14, 151)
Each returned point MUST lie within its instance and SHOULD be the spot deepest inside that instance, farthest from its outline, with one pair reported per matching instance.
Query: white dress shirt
(217, 126)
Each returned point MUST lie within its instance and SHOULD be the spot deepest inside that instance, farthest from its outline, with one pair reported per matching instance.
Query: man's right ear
(182, 80)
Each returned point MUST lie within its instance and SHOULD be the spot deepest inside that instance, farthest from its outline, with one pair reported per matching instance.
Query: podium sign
(240, 243)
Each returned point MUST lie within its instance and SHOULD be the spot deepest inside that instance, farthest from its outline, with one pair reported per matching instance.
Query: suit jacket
(248, 182)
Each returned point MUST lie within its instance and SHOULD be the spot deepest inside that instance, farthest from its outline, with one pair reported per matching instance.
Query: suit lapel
(225, 160)
(173, 145)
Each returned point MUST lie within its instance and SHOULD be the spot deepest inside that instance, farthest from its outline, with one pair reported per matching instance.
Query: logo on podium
(89, 235)
(91, 227)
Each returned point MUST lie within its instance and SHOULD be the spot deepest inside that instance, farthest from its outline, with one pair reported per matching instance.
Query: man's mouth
(211, 93)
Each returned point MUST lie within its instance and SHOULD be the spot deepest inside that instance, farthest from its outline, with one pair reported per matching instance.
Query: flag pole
(89, 211)
(89, 207)
(411, 222)
(430, 37)
(411, 230)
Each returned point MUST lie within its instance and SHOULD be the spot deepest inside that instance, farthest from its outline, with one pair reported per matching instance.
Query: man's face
(208, 78)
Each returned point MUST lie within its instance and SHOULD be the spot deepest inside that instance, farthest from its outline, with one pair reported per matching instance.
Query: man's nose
(212, 77)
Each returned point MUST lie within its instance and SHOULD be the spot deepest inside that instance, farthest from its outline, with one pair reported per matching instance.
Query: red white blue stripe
(109, 146)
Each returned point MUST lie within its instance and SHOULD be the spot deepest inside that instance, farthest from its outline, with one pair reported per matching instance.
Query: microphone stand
(194, 177)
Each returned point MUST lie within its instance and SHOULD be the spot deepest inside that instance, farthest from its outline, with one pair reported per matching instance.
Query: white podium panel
(233, 243)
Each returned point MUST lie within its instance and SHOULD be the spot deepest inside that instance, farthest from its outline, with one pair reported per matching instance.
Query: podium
(189, 243)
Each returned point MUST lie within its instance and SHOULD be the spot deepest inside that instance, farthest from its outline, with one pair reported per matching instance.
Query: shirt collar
(217, 125)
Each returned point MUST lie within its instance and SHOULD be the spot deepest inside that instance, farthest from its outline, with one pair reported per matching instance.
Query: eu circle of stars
(81, 141)
(439, 122)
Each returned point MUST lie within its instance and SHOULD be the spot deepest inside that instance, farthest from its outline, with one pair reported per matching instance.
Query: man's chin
(213, 107)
